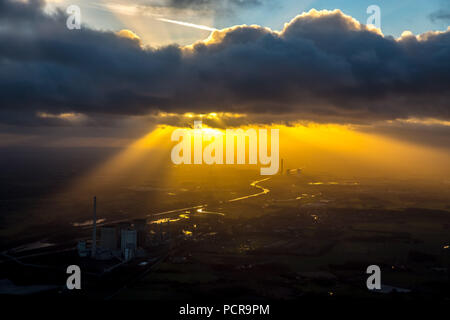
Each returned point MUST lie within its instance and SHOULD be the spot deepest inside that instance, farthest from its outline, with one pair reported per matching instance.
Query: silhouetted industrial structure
(94, 230)
(128, 243)
(125, 240)
(108, 238)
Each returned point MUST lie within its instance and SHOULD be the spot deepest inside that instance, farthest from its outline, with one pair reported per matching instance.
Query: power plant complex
(124, 241)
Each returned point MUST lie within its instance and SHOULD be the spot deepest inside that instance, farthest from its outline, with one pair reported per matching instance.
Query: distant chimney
(94, 230)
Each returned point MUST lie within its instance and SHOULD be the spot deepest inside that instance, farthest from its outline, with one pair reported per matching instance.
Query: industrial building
(140, 225)
(295, 171)
(128, 240)
(130, 236)
(83, 251)
(108, 237)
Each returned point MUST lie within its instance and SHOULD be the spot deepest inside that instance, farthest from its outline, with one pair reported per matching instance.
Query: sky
(137, 65)
(143, 16)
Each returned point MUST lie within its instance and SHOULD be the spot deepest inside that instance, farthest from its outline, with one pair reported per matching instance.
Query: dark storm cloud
(217, 7)
(212, 3)
(190, 3)
(247, 3)
(443, 15)
(321, 66)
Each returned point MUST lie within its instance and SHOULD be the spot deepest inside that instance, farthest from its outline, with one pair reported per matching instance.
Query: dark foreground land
(301, 237)
(289, 254)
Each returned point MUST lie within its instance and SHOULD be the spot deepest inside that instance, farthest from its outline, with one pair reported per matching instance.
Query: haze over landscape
(364, 135)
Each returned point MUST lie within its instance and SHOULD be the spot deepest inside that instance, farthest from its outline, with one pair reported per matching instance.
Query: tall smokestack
(94, 231)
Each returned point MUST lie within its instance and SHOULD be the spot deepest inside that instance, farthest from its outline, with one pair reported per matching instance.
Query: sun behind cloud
(125, 33)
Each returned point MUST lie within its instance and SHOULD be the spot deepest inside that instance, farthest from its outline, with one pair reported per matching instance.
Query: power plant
(94, 230)
(295, 171)
(109, 238)
(124, 240)
(128, 243)
(289, 172)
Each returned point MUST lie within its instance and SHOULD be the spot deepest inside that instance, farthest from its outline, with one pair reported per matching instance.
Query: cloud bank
(322, 66)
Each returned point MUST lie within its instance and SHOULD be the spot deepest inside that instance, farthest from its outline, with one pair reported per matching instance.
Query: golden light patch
(125, 33)
(68, 116)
